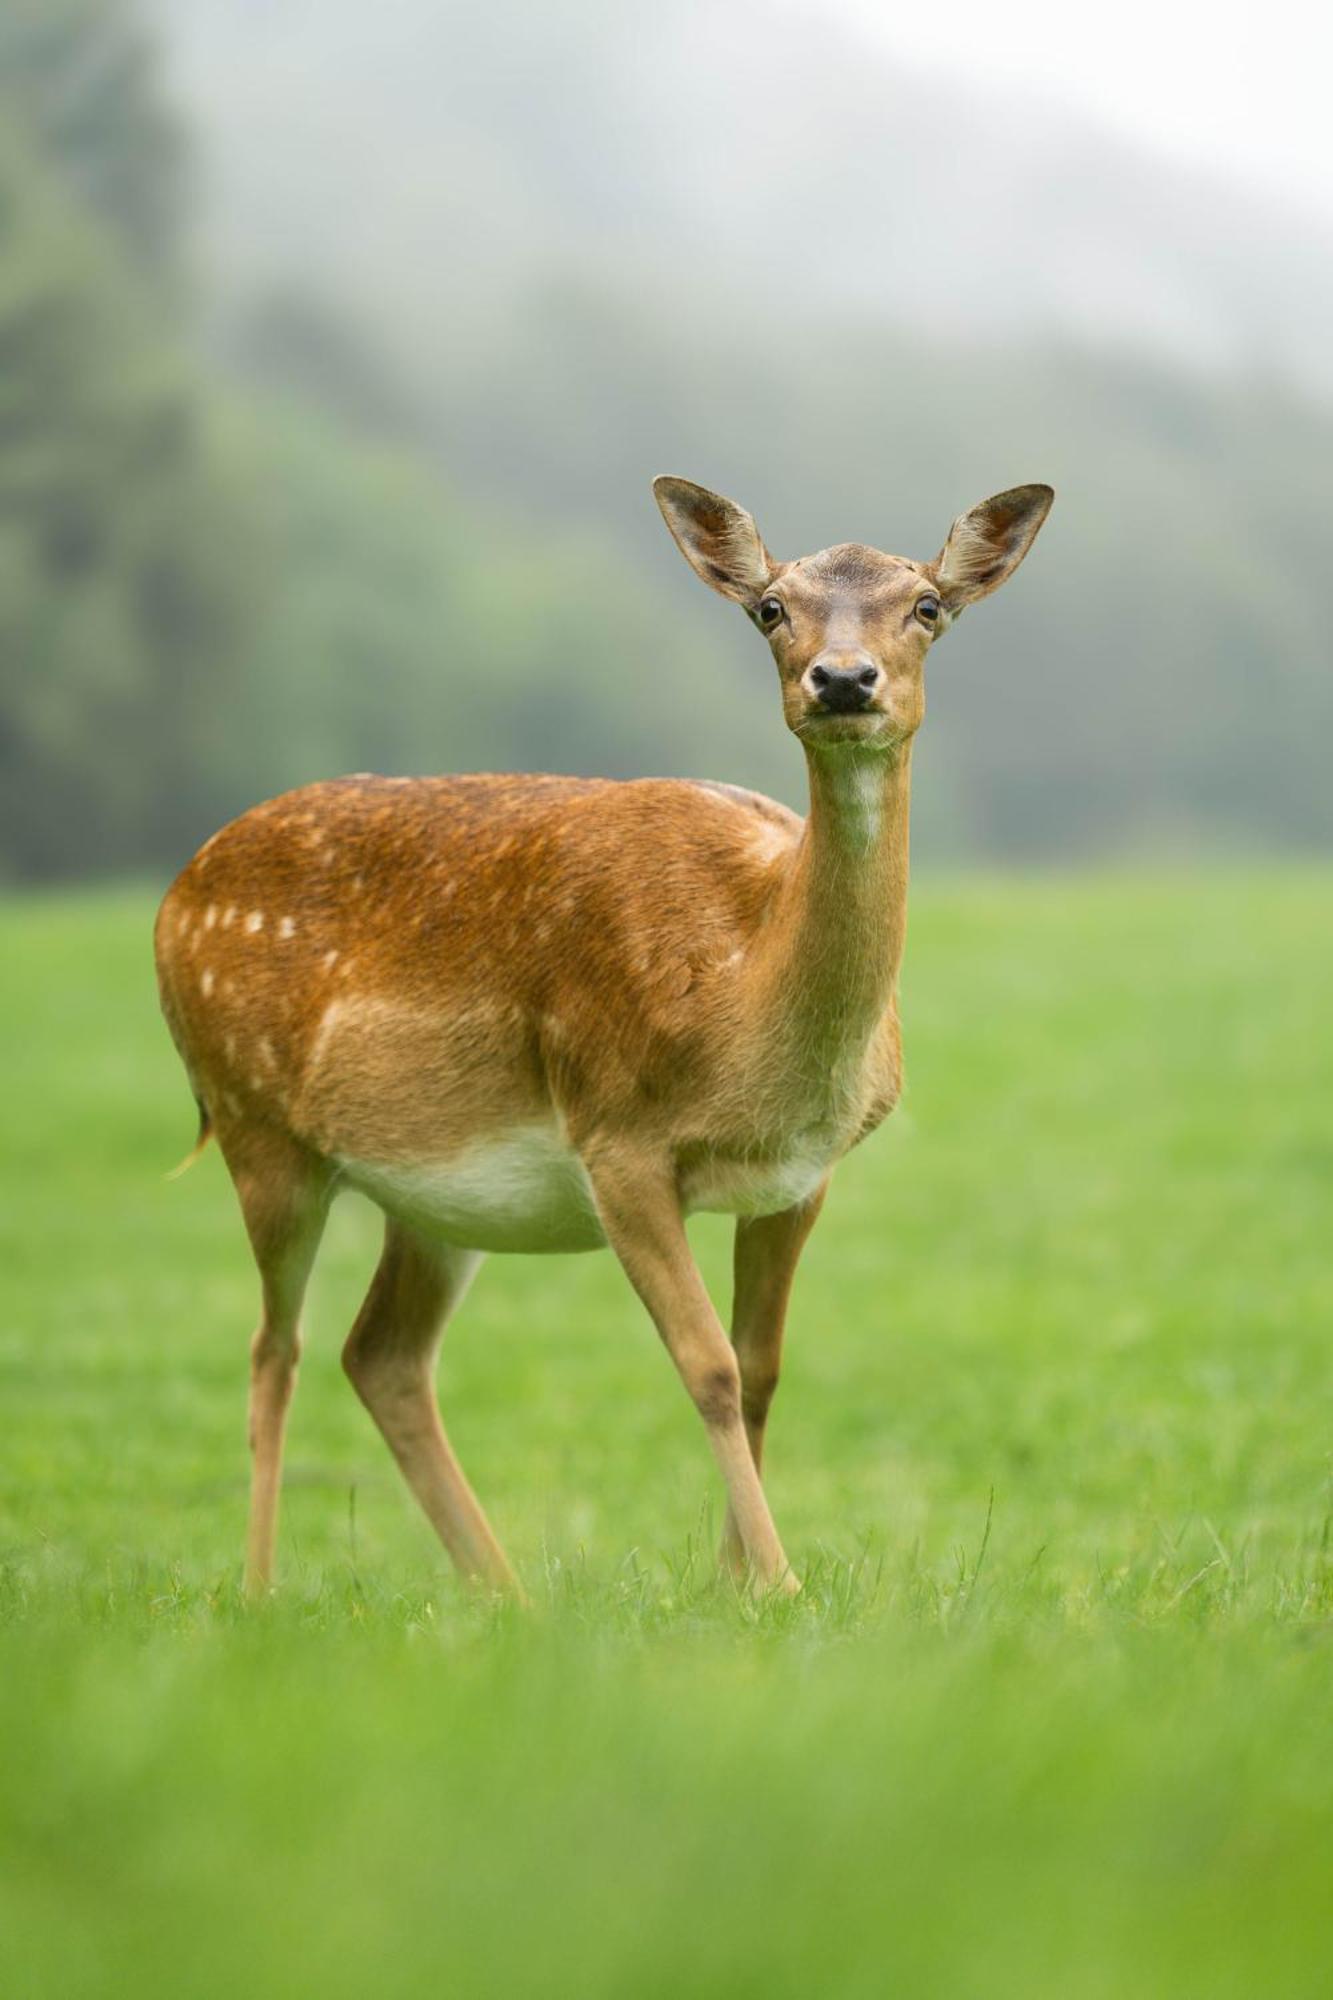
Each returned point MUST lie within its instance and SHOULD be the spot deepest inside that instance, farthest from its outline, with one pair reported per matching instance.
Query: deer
(534, 1014)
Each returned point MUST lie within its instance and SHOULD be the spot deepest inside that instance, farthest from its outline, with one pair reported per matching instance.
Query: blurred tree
(79, 77)
(118, 599)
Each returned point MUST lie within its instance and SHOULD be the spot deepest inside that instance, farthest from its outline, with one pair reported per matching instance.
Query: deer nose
(846, 687)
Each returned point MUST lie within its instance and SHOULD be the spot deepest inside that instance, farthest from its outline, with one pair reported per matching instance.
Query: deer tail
(205, 1134)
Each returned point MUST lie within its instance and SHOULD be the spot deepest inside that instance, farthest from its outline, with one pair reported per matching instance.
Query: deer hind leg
(641, 1213)
(768, 1248)
(284, 1194)
(390, 1357)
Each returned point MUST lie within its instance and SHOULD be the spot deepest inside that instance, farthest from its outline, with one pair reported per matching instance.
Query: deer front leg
(768, 1248)
(641, 1213)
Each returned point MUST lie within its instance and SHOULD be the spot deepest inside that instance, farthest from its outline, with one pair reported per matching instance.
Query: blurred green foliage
(120, 606)
(392, 513)
(79, 78)
(206, 596)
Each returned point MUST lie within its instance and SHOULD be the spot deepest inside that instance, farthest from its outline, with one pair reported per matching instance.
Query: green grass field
(1054, 1716)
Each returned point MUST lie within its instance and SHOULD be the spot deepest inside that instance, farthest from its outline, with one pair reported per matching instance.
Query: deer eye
(928, 610)
(769, 611)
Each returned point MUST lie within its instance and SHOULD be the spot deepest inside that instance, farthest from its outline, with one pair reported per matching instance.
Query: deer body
(403, 975)
(540, 1014)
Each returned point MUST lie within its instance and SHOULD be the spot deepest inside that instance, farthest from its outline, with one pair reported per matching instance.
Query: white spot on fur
(323, 1035)
(264, 1049)
(330, 960)
(210, 916)
(206, 984)
(229, 916)
(255, 921)
(287, 927)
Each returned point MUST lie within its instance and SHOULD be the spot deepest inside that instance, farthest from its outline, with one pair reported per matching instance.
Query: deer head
(850, 627)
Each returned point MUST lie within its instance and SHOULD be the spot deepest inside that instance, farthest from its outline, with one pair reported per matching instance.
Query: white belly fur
(740, 1187)
(530, 1192)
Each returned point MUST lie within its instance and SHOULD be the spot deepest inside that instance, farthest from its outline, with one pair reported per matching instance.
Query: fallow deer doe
(549, 1013)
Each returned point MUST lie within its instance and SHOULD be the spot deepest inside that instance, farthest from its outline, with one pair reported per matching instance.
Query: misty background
(339, 343)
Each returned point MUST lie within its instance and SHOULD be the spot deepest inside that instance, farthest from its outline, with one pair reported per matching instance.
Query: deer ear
(717, 538)
(986, 546)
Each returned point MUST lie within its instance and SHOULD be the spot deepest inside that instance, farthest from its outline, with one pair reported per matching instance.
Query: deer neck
(840, 914)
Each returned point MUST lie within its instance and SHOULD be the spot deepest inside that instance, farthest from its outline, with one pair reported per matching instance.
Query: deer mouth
(828, 726)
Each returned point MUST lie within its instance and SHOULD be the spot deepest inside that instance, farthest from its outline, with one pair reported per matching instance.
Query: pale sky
(1234, 85)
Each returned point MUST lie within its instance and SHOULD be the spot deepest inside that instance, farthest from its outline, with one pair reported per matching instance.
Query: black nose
(843, 689)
